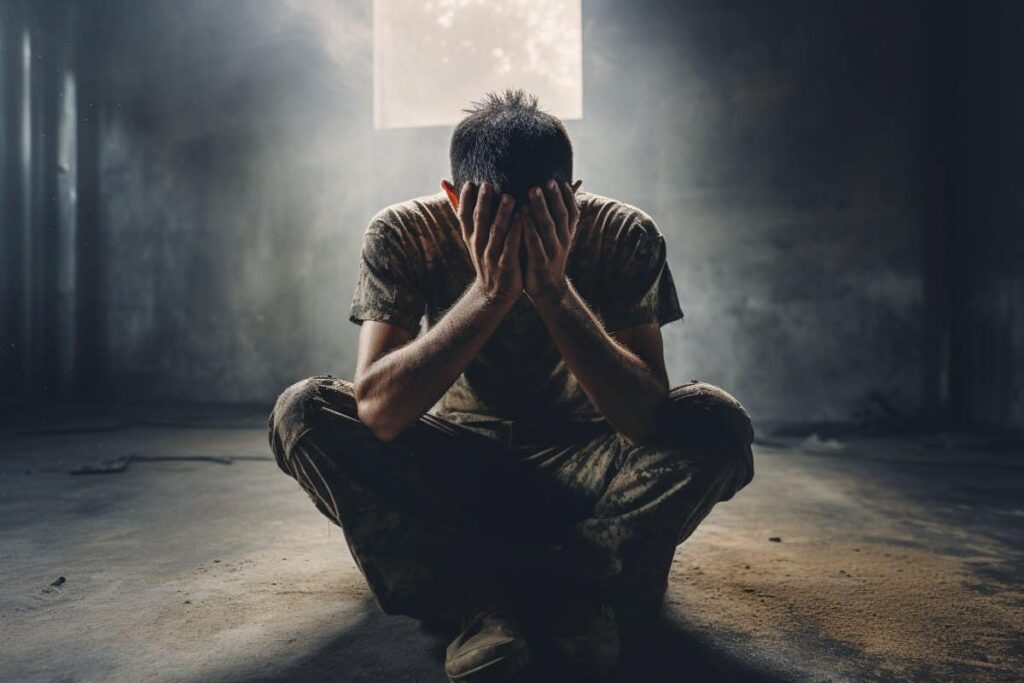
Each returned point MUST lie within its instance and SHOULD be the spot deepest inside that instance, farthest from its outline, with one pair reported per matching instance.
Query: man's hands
(493, 240)
(493, 229)
(548, 226)
(399, 376)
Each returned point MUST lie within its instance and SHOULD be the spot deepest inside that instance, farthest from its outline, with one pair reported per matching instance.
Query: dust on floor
(892, 560)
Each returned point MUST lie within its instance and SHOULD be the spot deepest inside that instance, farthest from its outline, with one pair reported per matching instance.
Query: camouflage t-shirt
(414, 264)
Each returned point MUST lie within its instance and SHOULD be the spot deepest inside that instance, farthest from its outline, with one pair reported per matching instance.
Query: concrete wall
(988, 203)
(778, 145)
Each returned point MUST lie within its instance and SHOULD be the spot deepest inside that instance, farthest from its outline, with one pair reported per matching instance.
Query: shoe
(586, 635)
(489, 650)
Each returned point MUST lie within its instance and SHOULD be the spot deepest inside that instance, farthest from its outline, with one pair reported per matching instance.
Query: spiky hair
(507, 140)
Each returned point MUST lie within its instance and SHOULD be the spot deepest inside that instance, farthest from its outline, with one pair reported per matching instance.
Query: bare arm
(625, 378)
(623, 375)
(398, 379)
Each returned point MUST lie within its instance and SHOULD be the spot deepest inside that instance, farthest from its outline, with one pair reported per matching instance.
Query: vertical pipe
(67, 237)
(7, 212)
(25, 174)
(12, 23)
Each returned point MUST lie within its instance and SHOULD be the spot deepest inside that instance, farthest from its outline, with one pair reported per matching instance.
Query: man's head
(507, 141)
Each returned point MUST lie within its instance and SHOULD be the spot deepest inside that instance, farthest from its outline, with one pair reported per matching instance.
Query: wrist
(492, 297)
(549, 297)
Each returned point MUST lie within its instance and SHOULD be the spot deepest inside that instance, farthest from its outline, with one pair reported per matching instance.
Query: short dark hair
(509, 142)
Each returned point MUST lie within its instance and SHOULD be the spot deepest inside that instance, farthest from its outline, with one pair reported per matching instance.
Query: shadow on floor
(378, 647)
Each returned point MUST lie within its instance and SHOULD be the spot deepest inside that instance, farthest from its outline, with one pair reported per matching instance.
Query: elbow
(644, 429)
(378, 422)
(639, 429)
(375, 416)
(641, 435)
(385, 433)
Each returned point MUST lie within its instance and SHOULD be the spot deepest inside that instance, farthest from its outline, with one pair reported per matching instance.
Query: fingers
(499, 228)
(559, 211)
(534, 244)
(482, 216)
(543, 222)
(467, 203)
(569, 197)
(510, 251)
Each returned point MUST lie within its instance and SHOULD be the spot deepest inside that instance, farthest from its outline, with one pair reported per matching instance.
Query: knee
(294, 413)
(707, 413)
(703, 418)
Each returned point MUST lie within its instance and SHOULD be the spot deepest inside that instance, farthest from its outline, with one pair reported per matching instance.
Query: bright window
(431, 58)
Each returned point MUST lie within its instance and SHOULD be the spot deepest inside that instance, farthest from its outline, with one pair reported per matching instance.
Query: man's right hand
(398, 377)
(493, 240)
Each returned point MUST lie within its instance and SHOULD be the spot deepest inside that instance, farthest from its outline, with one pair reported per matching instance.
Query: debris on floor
(56, 585)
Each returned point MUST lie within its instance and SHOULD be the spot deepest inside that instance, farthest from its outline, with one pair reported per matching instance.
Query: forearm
(618, 382)
(395, 390)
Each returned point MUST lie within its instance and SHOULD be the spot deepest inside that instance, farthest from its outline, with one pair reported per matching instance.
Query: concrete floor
(898, 559)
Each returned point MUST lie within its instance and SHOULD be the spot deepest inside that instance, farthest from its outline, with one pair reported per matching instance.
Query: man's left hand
(550, 222)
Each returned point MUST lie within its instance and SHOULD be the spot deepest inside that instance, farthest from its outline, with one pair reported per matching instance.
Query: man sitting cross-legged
(541, 499)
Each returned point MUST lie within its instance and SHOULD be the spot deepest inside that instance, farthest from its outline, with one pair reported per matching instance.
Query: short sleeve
(639, 288)
(387, 289)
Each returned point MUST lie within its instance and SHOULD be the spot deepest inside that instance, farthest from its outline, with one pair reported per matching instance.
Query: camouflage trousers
(447, 507)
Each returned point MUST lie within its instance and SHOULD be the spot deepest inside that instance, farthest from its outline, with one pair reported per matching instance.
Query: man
(542, 498)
